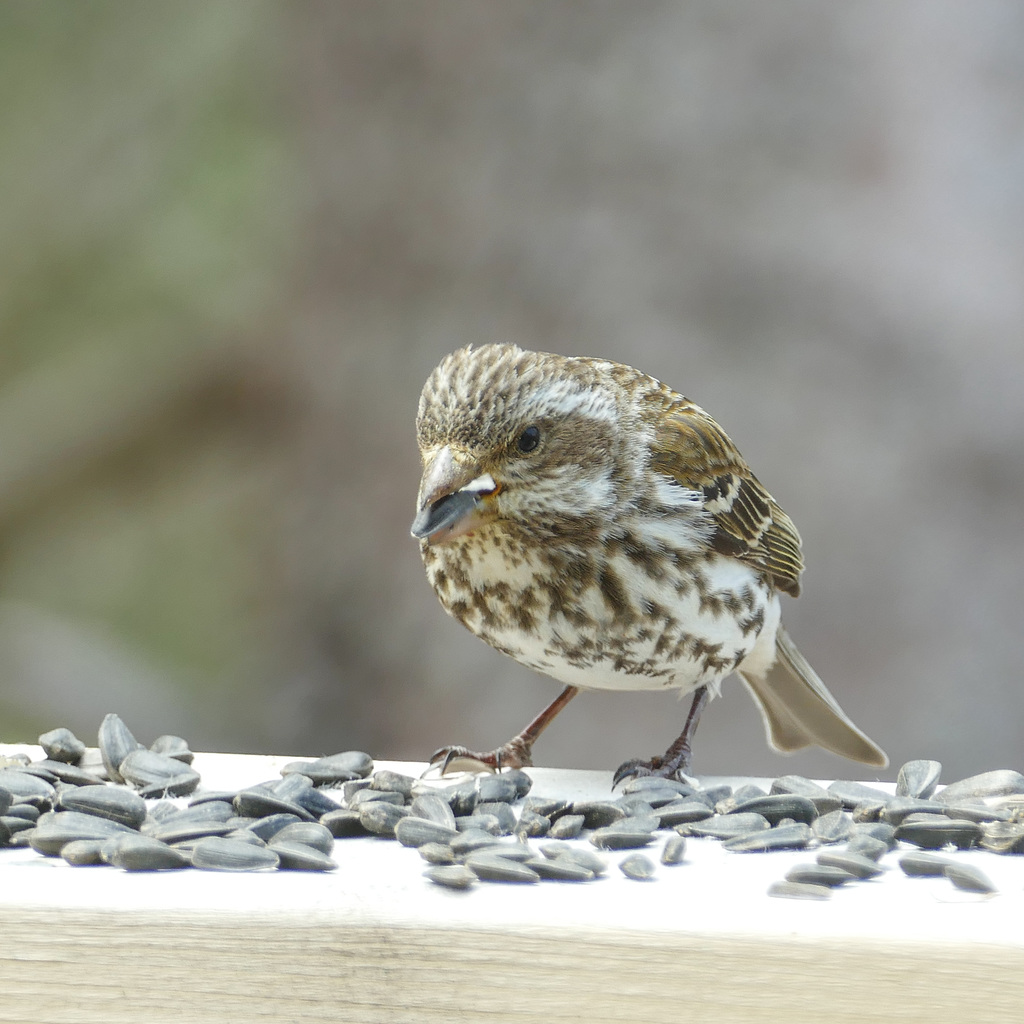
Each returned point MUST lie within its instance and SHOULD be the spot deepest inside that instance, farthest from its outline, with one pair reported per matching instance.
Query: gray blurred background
(236, 236)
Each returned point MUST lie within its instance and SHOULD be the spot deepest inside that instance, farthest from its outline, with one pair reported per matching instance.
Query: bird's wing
(692, 449)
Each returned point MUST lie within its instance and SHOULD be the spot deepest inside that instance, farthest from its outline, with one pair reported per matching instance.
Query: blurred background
(235, 237)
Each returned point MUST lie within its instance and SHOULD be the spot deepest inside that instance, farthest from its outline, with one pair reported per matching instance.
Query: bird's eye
(528, 440)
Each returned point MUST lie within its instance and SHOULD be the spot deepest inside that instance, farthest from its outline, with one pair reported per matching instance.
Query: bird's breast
(618, 615)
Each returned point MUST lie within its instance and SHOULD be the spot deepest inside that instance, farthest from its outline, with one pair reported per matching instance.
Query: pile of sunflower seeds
(121, 804)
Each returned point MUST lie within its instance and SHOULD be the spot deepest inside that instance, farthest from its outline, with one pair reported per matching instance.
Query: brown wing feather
(693, 449)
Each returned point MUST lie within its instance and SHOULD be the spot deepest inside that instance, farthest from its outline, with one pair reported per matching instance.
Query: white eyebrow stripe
(563, 398)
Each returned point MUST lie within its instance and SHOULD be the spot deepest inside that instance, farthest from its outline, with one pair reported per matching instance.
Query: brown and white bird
(590, 522)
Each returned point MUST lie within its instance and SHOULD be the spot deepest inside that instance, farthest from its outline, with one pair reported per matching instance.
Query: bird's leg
(676, 760)
(517, 753)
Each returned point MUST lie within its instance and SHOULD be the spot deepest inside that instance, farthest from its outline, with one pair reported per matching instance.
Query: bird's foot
(674, 768)
(514, 754)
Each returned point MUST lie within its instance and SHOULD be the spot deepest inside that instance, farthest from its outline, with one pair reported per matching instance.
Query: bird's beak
(453, 499)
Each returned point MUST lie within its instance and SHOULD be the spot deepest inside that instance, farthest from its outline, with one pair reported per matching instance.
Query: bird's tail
(799, 711)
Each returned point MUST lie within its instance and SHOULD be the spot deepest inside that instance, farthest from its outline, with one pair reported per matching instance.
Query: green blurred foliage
(147, 233)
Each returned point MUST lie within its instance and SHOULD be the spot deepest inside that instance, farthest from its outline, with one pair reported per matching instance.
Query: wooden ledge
(374, 941)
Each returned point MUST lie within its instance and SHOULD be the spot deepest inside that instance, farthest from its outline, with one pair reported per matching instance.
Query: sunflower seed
(784, 837)
(598, 813)
(434, 808)
(799, 891)
(493, 868)
(83, 852)
(41, 770)
(467, 842)
(635, 823)
(393, 782)
(880, 830)
(116, 742)
(868, 812)
(414, 831)
(480, 823)
(853, 794)
(682, 812)
(650, 782)
(309, 833)
(970, 878)
(295, 856)
(976, 812)
(568, 826)
(797, 785)
(451, 876)
(522, 781)
(918, 864)
(57, 828)
(381, 818)
(635, 807)
(113, 802)
(496, 789)
(532, 825)
(155, 774)
(350, 788)
(92, 762)
(832, 827)
(437, 853)
(725, 826)
(918, 779)
(461, 798)
(364, 797)
(854, 863)
(316, 801)
(620, 839)
(344, 824)
(27, 788)
(243, 835)
(819, 874)
(779, 806)
(561, 869)
(27, 811)
(551, 807)
(189, 830)
(674, 850)
(217, 854)
(713, 794)
(578, 855)
(658, 796)
(62, 745)
(504, 814)
(638, 867)
(867, 846)
(289, 787)
(333, 769)
(934, 834)
(12, 825)
(268, 827)
(6, 800)
(259, 803)
(143, 853)
(738, 796)
(69, 774)
(901, 807)
(173, 746)
(1002, 782)
(214, 810)
(1003, 836)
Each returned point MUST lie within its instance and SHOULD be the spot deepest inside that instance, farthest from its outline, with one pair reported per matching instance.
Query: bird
(585, 519)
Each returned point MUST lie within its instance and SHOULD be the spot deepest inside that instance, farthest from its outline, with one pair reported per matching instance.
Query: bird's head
(531, 440)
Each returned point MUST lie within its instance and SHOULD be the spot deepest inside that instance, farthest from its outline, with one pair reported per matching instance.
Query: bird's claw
(514, 754)
(658, 767)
